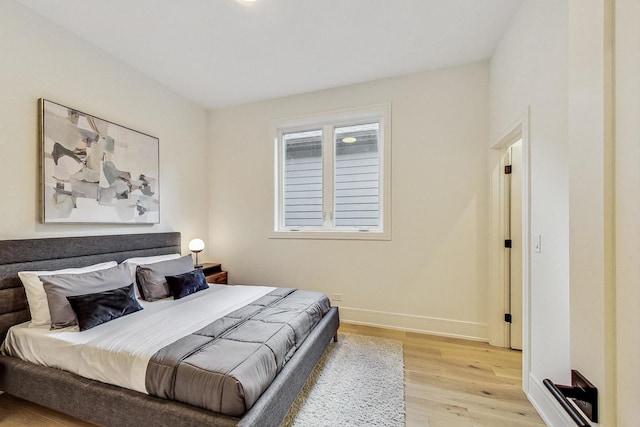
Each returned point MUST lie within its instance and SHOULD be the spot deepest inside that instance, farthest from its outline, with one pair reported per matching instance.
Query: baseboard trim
(412, 323)
(546, 406)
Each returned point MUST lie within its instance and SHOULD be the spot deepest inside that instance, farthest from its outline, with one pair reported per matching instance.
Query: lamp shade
(196, 245)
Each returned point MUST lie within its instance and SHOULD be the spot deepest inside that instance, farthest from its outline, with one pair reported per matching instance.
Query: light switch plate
(537, 243)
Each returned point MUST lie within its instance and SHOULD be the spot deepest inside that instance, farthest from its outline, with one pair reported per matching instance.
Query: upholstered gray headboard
(65, 252)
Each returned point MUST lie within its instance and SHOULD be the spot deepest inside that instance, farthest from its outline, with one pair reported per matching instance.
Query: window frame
(328, 122)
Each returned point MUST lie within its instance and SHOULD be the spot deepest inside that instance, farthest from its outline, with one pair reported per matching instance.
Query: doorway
(507, 302)
(513, 249)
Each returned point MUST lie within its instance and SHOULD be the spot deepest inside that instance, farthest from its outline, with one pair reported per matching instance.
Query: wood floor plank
(459, 383)
(448, 383)
(18, 412)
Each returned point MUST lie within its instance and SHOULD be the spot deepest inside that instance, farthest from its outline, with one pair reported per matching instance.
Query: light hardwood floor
(458, 383)
(448, 383)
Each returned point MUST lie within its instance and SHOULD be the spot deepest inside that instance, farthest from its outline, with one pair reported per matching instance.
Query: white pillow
(133, 263)
(37, 297)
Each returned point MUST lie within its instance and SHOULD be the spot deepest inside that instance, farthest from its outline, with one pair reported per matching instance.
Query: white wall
(559, 58)
(432, 275)
(41, 60)
(605, 234)
(529, 70)
(591, 212)
(627, 209)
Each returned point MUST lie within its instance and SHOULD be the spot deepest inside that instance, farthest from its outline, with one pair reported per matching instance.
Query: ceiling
(226, 52)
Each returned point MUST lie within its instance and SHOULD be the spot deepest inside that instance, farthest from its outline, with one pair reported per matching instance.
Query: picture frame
(94, 170)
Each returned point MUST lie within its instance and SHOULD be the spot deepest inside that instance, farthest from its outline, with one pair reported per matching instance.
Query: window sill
(329, 235)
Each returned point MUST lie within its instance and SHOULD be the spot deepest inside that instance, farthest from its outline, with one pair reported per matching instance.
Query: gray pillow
(151, 277)
(59, 286)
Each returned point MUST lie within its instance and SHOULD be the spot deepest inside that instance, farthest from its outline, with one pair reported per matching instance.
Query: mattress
(119, 351)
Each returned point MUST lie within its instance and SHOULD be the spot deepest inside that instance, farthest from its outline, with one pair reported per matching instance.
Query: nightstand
(214, 274)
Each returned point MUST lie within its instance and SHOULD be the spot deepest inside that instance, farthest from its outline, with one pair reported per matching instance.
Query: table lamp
(196, 246)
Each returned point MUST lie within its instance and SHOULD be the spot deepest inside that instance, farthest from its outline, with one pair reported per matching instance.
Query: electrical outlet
(336, 297)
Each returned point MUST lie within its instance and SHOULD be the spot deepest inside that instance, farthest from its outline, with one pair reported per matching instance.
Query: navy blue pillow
(188, 283)
(98, 308)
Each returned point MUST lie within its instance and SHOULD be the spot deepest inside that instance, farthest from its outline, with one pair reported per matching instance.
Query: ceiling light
(349, 140)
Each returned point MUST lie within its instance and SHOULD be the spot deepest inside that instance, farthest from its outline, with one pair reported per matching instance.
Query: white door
(515, 256)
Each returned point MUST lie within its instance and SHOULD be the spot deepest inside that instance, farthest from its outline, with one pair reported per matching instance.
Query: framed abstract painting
(95, 171)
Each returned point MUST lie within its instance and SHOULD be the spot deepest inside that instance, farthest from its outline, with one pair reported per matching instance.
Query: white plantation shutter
(357, 176)
(303, 179)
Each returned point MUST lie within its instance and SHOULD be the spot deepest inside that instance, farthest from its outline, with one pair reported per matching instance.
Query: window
(332, 175)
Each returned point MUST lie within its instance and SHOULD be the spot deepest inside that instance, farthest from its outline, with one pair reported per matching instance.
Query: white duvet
(117, 352)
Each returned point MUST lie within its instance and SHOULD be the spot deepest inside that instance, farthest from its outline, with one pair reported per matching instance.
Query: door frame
(498, 328)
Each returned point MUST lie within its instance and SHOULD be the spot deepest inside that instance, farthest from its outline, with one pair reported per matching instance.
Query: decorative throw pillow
(133, 264)
(58, 287)
(185, 284)
(101, 307)
(151, 278)
(37, 297)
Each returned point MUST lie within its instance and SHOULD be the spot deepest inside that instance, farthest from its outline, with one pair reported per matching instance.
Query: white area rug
(359, 381)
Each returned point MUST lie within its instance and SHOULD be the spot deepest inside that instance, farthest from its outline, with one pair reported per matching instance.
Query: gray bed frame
(109, 405)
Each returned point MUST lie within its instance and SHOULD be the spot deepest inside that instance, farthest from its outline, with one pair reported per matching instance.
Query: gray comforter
(225, 366)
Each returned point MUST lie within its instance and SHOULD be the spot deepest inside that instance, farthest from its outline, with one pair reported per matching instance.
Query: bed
(107, 404)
